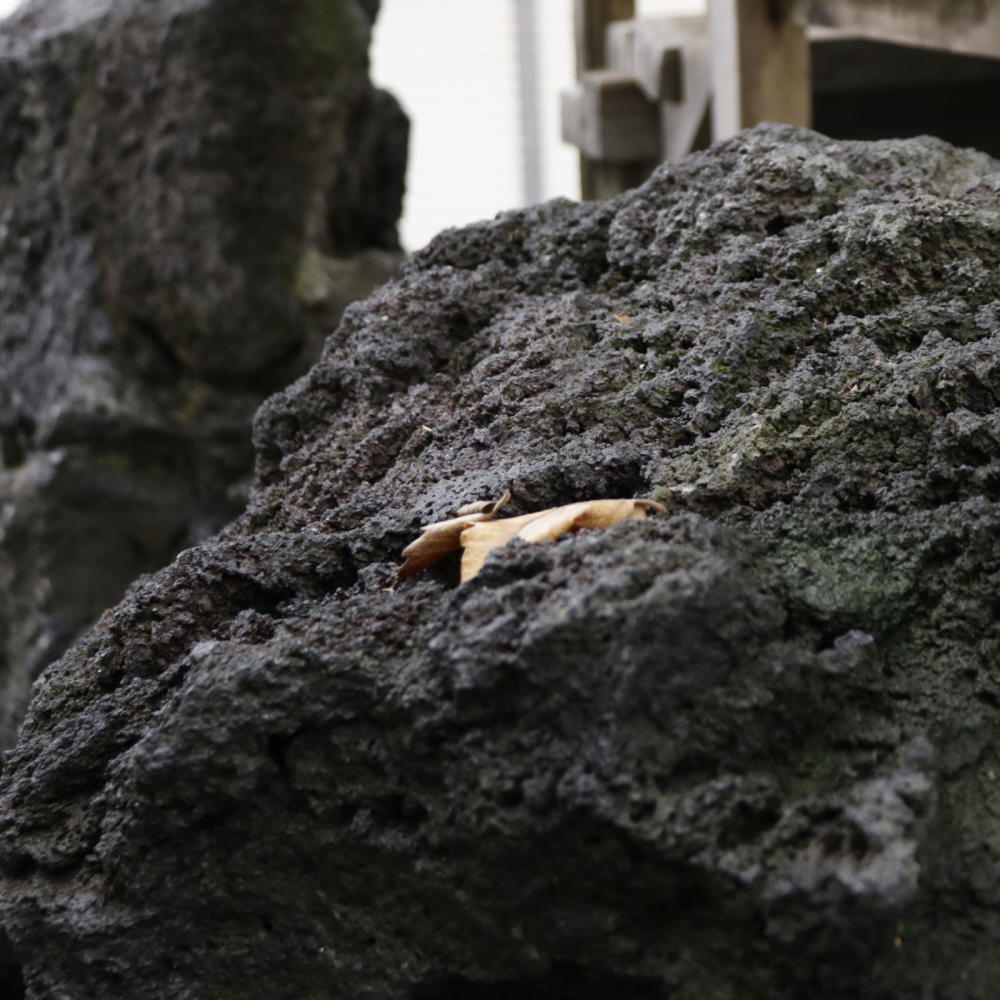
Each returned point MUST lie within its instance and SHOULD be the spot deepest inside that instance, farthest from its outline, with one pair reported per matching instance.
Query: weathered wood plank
(760, 64)
(591, 18)
(590, 21)
(658, 56)
(968, 26)
(619, 44)
(844, 60)
(650, 50)
(609, 118)
(685, 122)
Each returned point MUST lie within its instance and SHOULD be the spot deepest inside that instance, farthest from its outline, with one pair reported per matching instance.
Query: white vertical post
(527, 62)
(723, 29)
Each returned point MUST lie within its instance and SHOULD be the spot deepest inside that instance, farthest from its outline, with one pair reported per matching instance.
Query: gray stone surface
(745, 749)
(190, 192)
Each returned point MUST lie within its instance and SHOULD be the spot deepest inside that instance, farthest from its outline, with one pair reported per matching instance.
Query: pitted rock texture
(190, 192)
(748, 748)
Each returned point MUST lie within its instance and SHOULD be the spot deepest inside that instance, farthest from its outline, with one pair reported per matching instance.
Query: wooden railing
(654, 90)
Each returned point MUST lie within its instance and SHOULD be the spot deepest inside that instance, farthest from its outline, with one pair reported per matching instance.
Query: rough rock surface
(746, 749)
(186, 189)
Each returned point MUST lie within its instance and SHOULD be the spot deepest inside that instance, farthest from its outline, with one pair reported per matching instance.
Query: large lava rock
(748, 748)
(185, 188)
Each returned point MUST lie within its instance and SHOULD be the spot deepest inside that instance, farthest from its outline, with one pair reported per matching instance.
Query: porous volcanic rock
(190, 190)
(745, 749)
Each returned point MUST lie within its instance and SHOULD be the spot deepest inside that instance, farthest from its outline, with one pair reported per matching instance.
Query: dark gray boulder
(190, 192)
(748, 748)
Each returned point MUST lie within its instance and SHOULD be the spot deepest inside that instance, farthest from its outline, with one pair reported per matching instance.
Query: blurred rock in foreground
(190, 192)
(746, 749)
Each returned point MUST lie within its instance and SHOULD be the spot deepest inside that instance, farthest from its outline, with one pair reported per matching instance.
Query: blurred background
(471, 76)
(481, 82)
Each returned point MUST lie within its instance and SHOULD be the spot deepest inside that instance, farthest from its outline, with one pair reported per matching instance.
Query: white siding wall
(668, 8)
(453, 64)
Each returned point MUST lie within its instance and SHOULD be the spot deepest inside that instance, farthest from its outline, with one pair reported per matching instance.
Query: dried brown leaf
(475, 531)
(476, 546)
(478, 540)
(480, 506)
(443, 537)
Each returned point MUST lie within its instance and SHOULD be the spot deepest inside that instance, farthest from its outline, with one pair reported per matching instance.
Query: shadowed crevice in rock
(745, 747)
(567, 981)
(11, 976)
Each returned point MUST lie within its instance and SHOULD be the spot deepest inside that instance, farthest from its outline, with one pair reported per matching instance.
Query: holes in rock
(777, 224)
(244, 594)
(12, 452)
(11, 982)
(150, 351)
(750, 820)
(866, 501)
(11, 976)
(989, 698)
(563, 982)
(398, 807)
(15, 441)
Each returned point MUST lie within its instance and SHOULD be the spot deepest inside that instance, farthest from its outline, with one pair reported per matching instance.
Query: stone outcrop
(190, 192)
(746, 748)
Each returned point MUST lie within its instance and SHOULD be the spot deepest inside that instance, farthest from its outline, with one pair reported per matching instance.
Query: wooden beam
(590, 21)
(844, 61)
(685, 123)
(658, 57)
(619, 45)
(760, 64)
(600, 179)
(670, 61)
(962, 26)
(609, 118)
(650, 50)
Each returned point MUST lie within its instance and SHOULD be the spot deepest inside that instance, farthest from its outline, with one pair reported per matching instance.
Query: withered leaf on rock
(475, 531)
(478, 540)
(442, 537)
